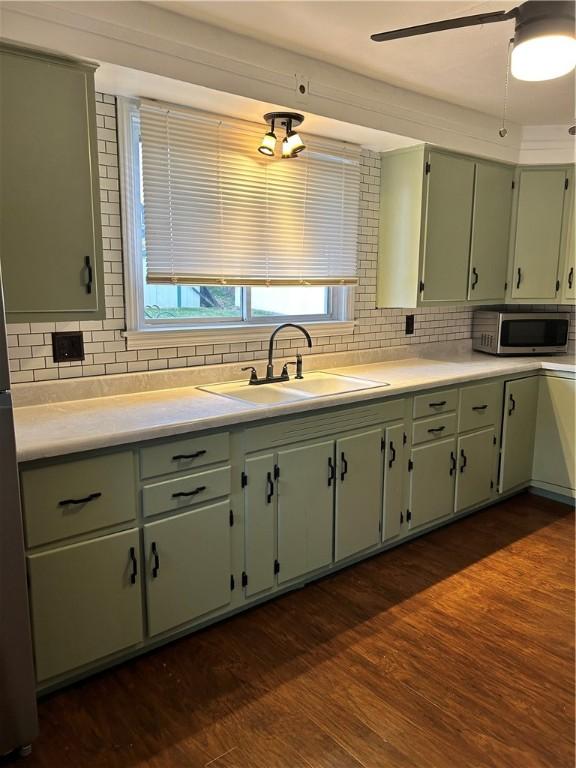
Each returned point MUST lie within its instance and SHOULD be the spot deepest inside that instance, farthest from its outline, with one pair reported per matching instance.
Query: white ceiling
(464, 66)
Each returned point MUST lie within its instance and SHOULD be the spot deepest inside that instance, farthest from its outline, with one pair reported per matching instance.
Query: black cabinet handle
(479, 407)
(331, 471)
(512, 406)
(464, 460)
(189, 493)
(156, 566)
(571, 277)
(89, 274)
(134, 562)
(475, 276)
(452, 463)
(519, 278)
(85, 500)
(436, 429)
(344, 470)
(194, 455)
(269, 488)
(437, 405)
(392, 458)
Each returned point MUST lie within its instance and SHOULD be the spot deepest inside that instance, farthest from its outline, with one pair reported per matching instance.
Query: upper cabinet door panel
(49, 203)
(538, 234)
(490, 231)
(447, 231)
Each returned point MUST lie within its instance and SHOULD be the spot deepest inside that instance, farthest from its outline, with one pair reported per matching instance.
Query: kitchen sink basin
(316, 384)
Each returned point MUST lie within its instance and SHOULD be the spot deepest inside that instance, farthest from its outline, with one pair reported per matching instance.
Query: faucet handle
(253, 373)
(285, 368)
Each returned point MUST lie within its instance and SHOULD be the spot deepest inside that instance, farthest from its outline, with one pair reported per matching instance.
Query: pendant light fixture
(292, 144)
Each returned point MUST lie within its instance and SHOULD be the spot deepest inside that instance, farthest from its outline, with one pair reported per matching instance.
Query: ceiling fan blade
(439, 26)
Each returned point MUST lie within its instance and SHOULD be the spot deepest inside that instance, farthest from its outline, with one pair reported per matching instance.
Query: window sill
(188, 337)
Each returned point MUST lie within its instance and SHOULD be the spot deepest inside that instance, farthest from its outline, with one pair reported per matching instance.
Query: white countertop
(60, 428)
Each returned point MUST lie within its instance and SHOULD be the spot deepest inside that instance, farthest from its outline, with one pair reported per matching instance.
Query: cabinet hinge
(382, 444)
(491, 484)
(244, 479)
(505, 286)
(231, 518)
(557, 285)
(276, 471)
(410, 465)
(513, 185)
(421, 286)
(427, 168)
(408, 515)
(404, 438)
(566, 183)
(276, 566)
(244, 579)
(401, 517)
(232, 582)
(494, 440)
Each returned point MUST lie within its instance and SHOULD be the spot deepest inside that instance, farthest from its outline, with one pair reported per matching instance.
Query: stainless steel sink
(316, 384)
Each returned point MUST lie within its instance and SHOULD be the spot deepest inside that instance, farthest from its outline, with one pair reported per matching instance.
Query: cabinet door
(538, 237)
(432, 479)
(555, 447)
(569, 281)
(188, 566)
(86, 602)
(475, 467)
(358, 492)
(50, 202)
(519, 423)
(447, 229)
(490, 231)
(305, 509)
(394, 466)
(259, 514)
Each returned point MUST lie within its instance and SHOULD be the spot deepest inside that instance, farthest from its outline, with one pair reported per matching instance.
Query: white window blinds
(218, 212)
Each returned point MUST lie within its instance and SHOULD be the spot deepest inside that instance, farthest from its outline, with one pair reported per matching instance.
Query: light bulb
(543, 58)
(268, 144)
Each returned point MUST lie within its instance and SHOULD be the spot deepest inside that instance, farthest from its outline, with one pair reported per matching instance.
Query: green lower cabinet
(188, 566)
(555, 448)
(394, 466)
(518, 429)
(305, 486)
(259, 522)
(475, 466)
(86, 602)
(432, 479)
(358, 492)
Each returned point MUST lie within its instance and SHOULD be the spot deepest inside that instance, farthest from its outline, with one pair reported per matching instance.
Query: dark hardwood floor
(453, 651)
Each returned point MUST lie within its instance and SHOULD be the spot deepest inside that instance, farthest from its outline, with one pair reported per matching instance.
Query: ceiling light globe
(543, 58)
(268, 144)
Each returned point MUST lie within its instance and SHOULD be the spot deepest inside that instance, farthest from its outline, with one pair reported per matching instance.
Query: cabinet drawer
(76, 497)
(433, 429)
(185, 491)
(435, 402)
(479, 406)
(182, 455)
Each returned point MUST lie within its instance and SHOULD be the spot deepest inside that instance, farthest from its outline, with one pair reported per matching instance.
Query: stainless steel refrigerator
(18, 720)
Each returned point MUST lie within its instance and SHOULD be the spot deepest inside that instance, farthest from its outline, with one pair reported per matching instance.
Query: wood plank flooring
(453, 651)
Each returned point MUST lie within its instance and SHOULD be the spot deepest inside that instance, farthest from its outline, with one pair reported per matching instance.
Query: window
(218, 237)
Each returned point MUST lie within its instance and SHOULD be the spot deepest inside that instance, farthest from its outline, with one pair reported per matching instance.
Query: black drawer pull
(453, 463)
(392, 458)
(85, 500)
(89, 274)
(437, 405)
(464, 460)
(195, 455)
(331, 471)
(479, 407)
(571, 277)
(134, 563)
(436, 429)
(344, 470)
(189, 493)
(269, 488)
(156, 566)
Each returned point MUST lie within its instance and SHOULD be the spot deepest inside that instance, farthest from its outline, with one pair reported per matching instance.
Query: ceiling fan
(544, 38)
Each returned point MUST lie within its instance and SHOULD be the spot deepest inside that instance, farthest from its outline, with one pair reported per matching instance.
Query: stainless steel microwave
(520, 333)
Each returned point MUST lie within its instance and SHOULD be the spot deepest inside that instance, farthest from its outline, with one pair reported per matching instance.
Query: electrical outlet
(409, 324)
(67, 346)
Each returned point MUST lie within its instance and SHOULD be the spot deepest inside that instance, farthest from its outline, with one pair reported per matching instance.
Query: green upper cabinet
(443, 230)
(568, 287)
(541, 222)
(490, 231)
(50, 236)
